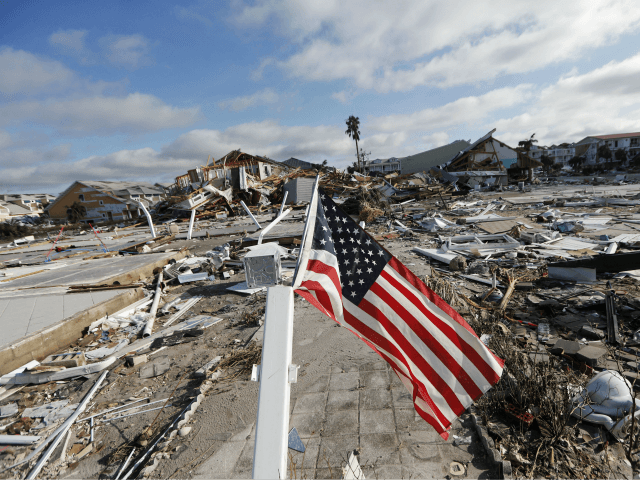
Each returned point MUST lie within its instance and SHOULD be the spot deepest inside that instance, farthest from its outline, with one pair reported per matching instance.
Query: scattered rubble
(548, 279)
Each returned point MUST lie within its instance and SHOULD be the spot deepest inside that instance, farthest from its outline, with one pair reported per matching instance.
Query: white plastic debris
(607, 398)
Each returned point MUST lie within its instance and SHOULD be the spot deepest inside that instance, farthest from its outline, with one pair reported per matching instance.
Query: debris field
(546, 275)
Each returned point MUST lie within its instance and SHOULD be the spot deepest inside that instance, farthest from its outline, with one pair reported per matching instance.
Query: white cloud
(343, 97)
(262, 138)
(101, 115)
(34, 76)
(313, 143)
(396, 46)
(69, 40)
(5, 140)
(437, 139)
(467, 110)
(192, 14)
(263, 97)
(11, 158)
(604, 100)
(129, 51)
(73, 43)
(258, 72)
(28, 74)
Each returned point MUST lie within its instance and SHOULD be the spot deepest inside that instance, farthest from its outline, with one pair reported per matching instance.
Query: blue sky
(146, 90)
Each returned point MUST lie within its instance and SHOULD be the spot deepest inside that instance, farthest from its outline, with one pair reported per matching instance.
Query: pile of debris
(549, 281)
(136, 374)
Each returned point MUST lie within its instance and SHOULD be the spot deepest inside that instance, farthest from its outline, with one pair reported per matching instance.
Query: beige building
(106, 201)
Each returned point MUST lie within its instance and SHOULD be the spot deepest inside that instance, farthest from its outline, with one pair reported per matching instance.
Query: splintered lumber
(507, 295)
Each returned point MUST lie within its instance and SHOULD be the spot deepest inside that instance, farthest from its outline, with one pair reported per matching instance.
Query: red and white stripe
(431, 348)
(321, 284)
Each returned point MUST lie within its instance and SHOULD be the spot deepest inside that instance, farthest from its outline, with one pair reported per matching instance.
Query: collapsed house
(34, 202)
(218, 188)
(9, 211)
(105, 201)
(481, 163)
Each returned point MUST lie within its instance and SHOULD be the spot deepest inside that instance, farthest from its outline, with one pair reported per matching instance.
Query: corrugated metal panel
(595, 220)
(567, 243)
(305, 189)
(627, 238)
(300, 190)
(243, 178)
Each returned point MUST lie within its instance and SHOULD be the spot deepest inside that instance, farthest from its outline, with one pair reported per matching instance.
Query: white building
(388, 165)
(629, 142)
(30, 201)
(560, 154)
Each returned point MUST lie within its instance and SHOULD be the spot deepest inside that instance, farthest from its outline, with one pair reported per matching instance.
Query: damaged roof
(15, 209)
(424, 161)
(125, 188)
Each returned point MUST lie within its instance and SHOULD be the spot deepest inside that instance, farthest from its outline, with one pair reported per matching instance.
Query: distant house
(485, 154)
(388, 165)
(296, 163)
(629, 142)
(488, 154)
(106, 201)
(10, 210)
(304, 165)
(33, 202)
(559, 154)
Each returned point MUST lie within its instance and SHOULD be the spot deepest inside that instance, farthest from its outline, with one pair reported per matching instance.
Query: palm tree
(528, 143)
(621, 155)
(547, 162)
(353, 130)
(604, 152)
(576, 162)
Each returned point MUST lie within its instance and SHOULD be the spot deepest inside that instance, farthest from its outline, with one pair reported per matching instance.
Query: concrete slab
(86, 272)
(343, 400)
(341, 422)
(25, 315)
(592, 355)
(35, 310)
(344, 381)
(375, 399)
(377, 421)
(366, 408)
(311, 402)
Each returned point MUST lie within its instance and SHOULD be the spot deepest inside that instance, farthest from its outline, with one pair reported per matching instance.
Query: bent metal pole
(146, 212)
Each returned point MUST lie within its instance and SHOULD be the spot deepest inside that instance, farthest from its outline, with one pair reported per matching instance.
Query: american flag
(348, 276)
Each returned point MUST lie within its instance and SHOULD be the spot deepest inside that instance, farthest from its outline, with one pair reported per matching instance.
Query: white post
(284, 201)
(250, 214)
(148, 328)
(193, 218)
(272, 427)
(146, 212)
(271, 225)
